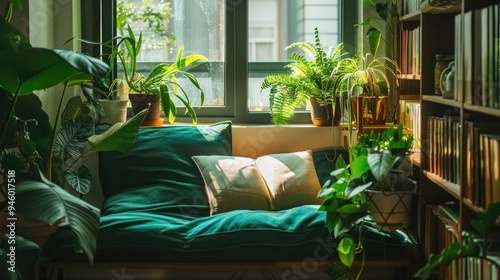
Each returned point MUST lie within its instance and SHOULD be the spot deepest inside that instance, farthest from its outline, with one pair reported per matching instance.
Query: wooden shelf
(441, 100)
(451, 188)
(413, 16)
(410, 97)
(483, 110)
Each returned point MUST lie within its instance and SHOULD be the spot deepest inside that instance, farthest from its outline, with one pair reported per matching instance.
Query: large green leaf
(356, 186)
(381, 164)
(73, 109)
(347, 251)
(80, 180)
(374, 38)
(119, 137)
(453, 252)
(487, 219)
(39, 68)
(44, 201)
(69, 138)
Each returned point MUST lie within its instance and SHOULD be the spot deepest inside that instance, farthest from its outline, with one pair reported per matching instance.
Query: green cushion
(160, 162)
(239, 235)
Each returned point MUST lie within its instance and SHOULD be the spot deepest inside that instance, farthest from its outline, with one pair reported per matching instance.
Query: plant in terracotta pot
(161, 84)
(308, 81)
(364, 82)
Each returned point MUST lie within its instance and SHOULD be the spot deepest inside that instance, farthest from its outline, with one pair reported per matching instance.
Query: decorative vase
(140, 102)
(324, 115)
(373, 109)
(115, 111)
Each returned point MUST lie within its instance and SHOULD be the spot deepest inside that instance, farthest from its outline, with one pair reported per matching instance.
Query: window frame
(99, 27)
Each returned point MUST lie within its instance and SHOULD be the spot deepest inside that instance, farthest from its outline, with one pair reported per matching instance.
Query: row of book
(480, 268)
(444, 135)
(439, 235)
(410, 51)
(481, 56)
(410, 6)
(482, 146)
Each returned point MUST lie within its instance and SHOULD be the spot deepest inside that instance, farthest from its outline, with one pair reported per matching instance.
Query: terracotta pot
(115, 111)
(373, 108)
(140, 102)
(323, 115)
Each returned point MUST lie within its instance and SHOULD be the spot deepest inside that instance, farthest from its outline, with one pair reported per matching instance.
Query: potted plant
(349, 201)
(31, 146)
(112, 98)
(308, 81)
(161, 84)
(364, 84)
(389, 161)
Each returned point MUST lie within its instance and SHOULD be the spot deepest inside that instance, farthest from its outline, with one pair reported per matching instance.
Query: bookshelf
(460, 142)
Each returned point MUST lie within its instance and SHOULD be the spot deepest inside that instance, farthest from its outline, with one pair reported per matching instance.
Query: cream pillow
(291, 179)
(276, 181)
(233, 183)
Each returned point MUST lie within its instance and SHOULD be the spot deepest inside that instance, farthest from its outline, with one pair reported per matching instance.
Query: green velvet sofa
(157, 212)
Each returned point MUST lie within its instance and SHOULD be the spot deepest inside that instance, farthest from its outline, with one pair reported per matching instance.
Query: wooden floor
(307, 269)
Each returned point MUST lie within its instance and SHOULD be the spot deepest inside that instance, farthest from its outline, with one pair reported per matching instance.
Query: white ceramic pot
(115, 111)
(390, 210)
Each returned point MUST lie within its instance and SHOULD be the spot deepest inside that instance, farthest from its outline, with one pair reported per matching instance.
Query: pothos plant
(345, 201)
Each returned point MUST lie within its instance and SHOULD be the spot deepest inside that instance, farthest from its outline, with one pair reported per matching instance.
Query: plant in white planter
(372, 172)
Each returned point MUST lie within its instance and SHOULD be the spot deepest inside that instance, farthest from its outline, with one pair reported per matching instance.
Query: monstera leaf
(46, 202)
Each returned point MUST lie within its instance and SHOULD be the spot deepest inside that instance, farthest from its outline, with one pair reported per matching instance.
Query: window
(244, 41)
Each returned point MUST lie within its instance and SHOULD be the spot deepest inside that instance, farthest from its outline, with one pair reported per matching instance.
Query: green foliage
(157, 17)
(43, 201)
(470, 246)
(387, 13)
(306, 79)
(162, 80)
(371, 166)
(34, 150)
